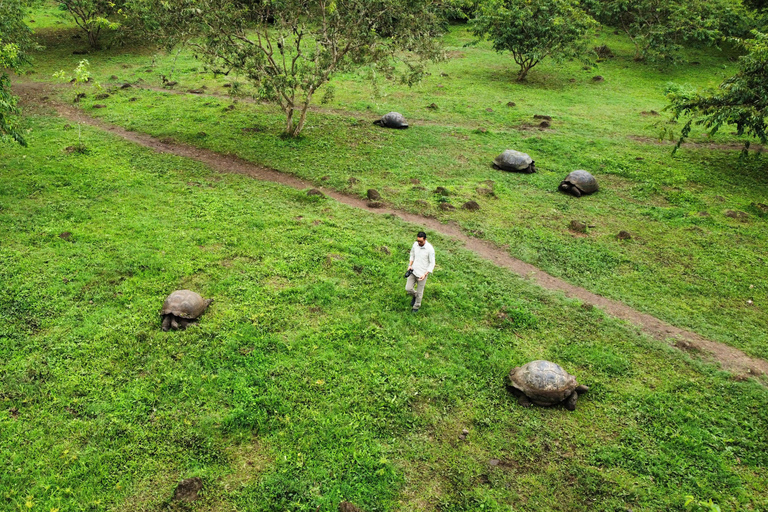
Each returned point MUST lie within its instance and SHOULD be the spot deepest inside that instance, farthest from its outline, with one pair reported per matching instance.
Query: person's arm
(413, 256)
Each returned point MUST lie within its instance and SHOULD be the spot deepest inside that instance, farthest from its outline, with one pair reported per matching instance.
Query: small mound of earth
(102, 96)
(485, 191)
(196, 91)
(415, 181)
(471, 206)
(315, 192)
(703, 214)
(446, 207)
(442, 191)
(418, 188)
(375, 204)
(544, 124)
(98, 105)
(133, 99)
(126, 86)
(432, 106)
(353, 181)
(373, 194)
(187, 489)
(422, 203)
(598, 78)
(346, 506)
(603, 51)
(511, 104)
(649, 113)
(541, 116)
(577, 226)
(65, 235)
(735, 214)
(385, 250)
(624, 235)
(760, 206)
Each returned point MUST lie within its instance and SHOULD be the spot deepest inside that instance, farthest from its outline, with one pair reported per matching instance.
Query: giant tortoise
(514, 161)
(579, 183)
(545, 383)
(392, 120)
(182, 308)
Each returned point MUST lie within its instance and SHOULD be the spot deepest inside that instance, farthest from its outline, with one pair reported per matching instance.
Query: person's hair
(421, 234)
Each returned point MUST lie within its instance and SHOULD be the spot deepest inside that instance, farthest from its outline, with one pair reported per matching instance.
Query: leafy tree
(291, 48)
(94, 16)
(742, 99)
(533, 31)
(660, 28)
(15, 40)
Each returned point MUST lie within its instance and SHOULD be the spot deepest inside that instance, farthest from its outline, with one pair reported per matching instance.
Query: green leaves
(742, 100)
(292, 48)
(533, 31)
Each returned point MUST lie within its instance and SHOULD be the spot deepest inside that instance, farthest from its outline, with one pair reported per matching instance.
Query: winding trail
(732, 359)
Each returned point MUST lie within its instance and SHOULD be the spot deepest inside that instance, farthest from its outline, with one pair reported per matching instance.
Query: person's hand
(410, 268)
(424, 277)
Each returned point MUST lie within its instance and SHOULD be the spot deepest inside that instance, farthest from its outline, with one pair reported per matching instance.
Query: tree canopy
(93, 16)
(291, 48)
(533, 31)
(742, 100)
(660, 28)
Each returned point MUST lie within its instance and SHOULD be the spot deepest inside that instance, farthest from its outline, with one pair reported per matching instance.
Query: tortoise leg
(570, 402)
(581, 389)
(184, 323)
(174, 323)
(166, 322)
(575, 192)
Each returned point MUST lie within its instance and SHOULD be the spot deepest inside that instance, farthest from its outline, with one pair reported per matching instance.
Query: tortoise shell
(543, 382)
(185, 304)
(582, 180)
(392, 120)
(514, 161)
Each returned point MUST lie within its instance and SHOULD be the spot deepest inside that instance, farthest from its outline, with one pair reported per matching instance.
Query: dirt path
(32, 94)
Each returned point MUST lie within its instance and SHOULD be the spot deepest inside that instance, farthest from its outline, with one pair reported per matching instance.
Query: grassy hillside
(688, 262)
(308, 380)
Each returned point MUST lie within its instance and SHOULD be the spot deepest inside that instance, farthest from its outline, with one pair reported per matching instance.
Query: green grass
(308, 381)
(697, 272)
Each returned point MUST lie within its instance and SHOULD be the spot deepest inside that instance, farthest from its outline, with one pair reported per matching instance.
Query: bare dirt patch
(730, 358)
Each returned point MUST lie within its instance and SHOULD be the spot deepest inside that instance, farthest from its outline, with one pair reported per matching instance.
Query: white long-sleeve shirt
(422, 258)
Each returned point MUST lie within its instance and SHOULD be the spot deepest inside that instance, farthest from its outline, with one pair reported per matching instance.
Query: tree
(15, 41)
(93, 16)
(533, 31)
(660, 28)
(741, 101)
(291, 48)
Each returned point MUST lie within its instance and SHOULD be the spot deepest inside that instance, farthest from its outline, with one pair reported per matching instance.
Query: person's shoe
(413, 301)
(414, 310)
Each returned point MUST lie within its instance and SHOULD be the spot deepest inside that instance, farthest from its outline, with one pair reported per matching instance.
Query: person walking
(421, 265)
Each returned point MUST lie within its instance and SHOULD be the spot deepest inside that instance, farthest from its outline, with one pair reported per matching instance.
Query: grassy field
(308, 381)
(687, 263)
